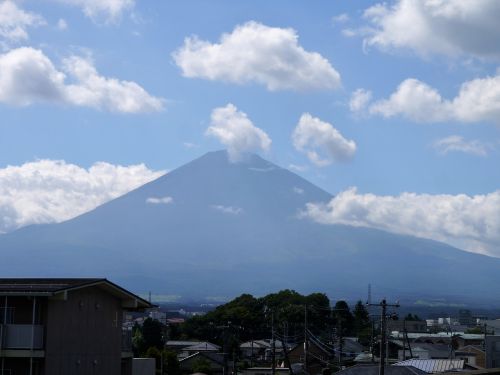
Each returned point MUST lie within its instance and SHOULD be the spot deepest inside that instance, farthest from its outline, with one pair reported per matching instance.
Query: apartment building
(65, 326)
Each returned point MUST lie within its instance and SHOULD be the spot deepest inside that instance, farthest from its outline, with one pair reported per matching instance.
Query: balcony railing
(21, 336)
(126, 340)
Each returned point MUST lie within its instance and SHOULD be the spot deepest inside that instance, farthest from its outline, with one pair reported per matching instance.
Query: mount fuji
(212, 228)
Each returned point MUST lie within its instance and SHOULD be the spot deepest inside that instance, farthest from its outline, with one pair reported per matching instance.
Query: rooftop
(374, 370)
(434, 365)
(47, 287)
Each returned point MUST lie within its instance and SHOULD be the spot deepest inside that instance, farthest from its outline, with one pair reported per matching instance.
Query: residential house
(472, 355)
(432, 366)
(492, 348)
(318, 357)
(65, 326)
(261, 350)
(425, 351)
(185, 348)
(408, 325)
(374, 370)
(215, 361)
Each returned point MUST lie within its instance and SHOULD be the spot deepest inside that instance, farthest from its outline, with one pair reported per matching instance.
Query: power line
(383, 305)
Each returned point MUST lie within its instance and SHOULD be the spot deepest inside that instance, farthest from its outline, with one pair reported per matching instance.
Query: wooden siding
(83, 334)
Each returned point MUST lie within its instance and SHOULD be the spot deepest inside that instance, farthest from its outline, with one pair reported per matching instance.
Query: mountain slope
(214, 228)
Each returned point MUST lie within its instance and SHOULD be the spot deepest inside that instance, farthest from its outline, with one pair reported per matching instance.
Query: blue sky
(436, 137)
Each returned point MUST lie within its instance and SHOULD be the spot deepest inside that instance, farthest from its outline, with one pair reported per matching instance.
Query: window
(8, 315)
(496, 346)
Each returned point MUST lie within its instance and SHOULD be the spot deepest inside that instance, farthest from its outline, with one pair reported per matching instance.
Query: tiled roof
(374, 370)
(21, 285)
(50, 287)
(434, 365)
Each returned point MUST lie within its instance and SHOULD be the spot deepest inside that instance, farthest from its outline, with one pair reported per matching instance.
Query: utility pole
(224, 347)
(305, 339)
(404, 338)
(251, 355)
(484, 346)
(273, 368)
(284, 344)
(485, 333)
(383, 318)
(340, 343)
(372, 343)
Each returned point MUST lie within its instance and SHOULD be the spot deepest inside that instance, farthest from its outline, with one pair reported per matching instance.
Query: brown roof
(50, 287)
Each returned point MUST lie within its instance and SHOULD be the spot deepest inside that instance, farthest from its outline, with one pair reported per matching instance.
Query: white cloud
(349, 33)
(162, 200)
(298, 190)
(47, 191)
(62, 24)
(190, 145)
(253, 52)
(468, 222)
(230, 210)
(359, 100)
(297, 168)
(456, 143)
(340, 18)
(28, 76)
(415, 100)
(445, 27)
(477, 100)
(313, 136)
(109, 11)
(234, 129)
(262, 170)
(14, 22)
(112, 94)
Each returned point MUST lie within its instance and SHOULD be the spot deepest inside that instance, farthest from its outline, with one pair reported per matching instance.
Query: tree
(152, 333)
(362, 324)
(411, 317)
(361, 317)
(169, 359)
(138, 345)
(153, 352)
(249, 318)
(202, 365)
(170, 363)
(343, 317)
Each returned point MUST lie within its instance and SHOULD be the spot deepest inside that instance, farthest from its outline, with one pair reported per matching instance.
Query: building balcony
(126, 340)
(21, 336)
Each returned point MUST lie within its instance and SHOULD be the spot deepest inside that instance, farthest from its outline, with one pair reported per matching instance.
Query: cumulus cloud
(253, 52)
(468, 222)
(477, 100)
(456, 143)
(15, 21)
(47, 191)
(109, 11)
(234, 129)
(321, 142)
(28, 76)
(446, 27)
(340, 18)
(230, 210)
(359, 100)
(62, 24)
(298, 190)
(298, 168)
(162, 200)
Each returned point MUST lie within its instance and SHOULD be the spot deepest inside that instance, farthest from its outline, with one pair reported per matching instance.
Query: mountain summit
(216, 228)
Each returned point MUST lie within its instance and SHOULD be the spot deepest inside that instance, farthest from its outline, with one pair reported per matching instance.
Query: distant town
(93, 326)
